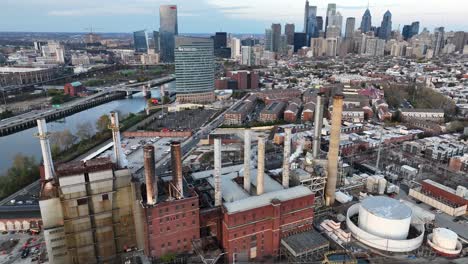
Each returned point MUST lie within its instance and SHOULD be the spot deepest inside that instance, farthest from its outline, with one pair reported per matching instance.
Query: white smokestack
(217, 171)
(43, 136)
(247, 155)
(318, 115)
(286, 155)
(118, 155)
(261, 165)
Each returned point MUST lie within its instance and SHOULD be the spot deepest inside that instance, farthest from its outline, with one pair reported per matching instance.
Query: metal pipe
(261, 165)
(318, 119)
(43, 136)
(151, 182)
(247, 147)
(217, 171)
(334, 149)
(119, 159)
(286, 156)
(176, 156)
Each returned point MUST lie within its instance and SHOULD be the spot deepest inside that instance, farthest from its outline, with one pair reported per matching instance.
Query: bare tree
(102, 124)
(84, 130)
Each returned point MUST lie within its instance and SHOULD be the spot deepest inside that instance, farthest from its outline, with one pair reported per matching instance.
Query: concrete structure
(168, 29)
(350, 24)
(289, 32)
(217, 171)
(434, 115)
(272, 112)
(247, 156)
(286, 156)
(24, 76)
(445, 242)
(140, 41)
(238, 114)
(318, 119)
(260, 165)
(244, 79)
(43, 135)
(119, 158)
(333, 151)
(149, 165)
(177, 177)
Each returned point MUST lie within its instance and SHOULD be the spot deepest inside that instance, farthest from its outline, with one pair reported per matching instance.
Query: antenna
(368, 4)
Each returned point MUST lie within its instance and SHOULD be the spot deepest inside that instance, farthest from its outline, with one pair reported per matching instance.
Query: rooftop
(302, 243)
(18, 69)
(386, 207)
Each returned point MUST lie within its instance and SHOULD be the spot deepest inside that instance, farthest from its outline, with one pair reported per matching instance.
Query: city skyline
(204, 16)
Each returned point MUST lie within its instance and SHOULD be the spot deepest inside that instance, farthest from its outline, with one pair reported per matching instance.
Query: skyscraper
(350, 24)
(268, 39)
(300, 40)
(289, 32)
(194, 68)
(331, 11)
(414, 28)
(235, 48)
(335, 22)
(140, 42)
(220, 40)
(386, 26)
(312, 30)
(438, 44)
(319, 23)
(459, 40)
(406, 32)
(366, 22)
(168, 29)
(247, 56)
(276, 37)
(156, 41)
(306, 15)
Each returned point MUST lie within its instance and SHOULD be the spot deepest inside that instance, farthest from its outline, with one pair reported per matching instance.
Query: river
(25, 143)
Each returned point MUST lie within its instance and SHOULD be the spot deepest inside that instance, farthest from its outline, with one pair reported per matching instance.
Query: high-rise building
(438, 43)
(459, 40)
(168, 29)
(333, 31)
(306, 16)
(289, 32)
(300, 40)
(276, 37)
(332, 46)
(406, 32)
(247, 56)
(194, 69)
(249, 42)
(331, 11)
(366, 22)
(235, 48)
(335, 23)
(350, 24)
(414, 28)
(220, 40)
(156, 41)
(319, 23)
(268, 39)
(312, 30)
(386, 26)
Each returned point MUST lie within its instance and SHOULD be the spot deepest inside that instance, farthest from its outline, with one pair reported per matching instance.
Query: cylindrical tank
(342, 197)
(445, 238)
(382, 185)
(385, 217)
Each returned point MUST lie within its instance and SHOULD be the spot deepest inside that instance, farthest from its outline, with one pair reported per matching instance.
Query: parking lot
(21, 248)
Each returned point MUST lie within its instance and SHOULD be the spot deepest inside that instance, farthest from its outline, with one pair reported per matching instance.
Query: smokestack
(217, 171)
(176, 156)
(43, 136)
(317, 126)
(119, 160)
(151, 182)
(261, 165)
(247, 155)
(286, 155)
(334, 149)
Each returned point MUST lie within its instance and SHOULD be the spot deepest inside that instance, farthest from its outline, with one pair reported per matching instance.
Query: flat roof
(386, 207)
(305, 242)
(18, 69)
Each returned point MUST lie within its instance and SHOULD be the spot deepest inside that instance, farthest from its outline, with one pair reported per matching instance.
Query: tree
(103, 123)
(84, 130)
(62, 139)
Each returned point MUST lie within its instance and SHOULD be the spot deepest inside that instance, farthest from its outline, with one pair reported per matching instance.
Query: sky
(206, 16)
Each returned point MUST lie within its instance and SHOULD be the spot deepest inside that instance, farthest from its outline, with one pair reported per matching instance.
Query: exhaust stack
(247, 156)
(43, 136)
(151, 182)
(217, 171)
(118, 156)
(261, 165)
(318, 115)
(334, 149)
(176, 156)
(286, 155)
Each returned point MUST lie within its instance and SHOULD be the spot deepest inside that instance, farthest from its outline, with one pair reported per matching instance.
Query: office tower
(386, 26)
(249, 42)
(335, 23)
(247, 56)
(332, 47)
(371, 45)
(366, 22)
(459, 40)
(235, 48)
(312, 30)
(414, 28)
(276, 37)
(319, 23)
(283, 47)
(331, 11)
(350, 24)
(194, 69)
(268, 39)
(306, 16)
(168, 29)
(333, 31)
(220, 40)
(140, 41)
(300, 40)
(438, 43)
(289, 32)
(406, 32)
(156, 41)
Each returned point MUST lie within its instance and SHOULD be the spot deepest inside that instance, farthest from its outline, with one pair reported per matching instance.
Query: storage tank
(445, 238)
(343, 197)
(382, 185)
(385, 217)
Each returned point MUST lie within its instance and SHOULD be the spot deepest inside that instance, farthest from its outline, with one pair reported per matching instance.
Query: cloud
(101, 11)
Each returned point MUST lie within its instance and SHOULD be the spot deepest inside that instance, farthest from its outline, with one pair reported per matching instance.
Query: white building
(247, 56)
(235, 48)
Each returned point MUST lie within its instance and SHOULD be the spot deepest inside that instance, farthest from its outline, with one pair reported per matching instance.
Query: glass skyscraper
(140, 42)
(194, 68)
(386, 26)
(366, 22)
(168, 29)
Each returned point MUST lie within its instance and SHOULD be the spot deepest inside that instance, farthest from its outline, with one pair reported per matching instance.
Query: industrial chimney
(151, 181)
(286, 156)
(334, 149)
(318, 115)
(217, 171)
(176, 156)
(43, 136)
(247, 147)
(118, 155)
(261, 165)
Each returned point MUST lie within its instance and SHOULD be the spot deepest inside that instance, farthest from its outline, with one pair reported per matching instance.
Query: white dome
(445, 238)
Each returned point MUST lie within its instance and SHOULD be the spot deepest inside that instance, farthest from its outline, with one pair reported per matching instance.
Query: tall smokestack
(217, 171)
(261, 165)
(151, 187)
(247, 147)
(43, 136)
(317, 126)
(286, 155)
(334, 149)
(176, 156)
(119, 159)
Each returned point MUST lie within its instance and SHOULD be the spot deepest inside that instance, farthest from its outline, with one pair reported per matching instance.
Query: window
(82, 201)
(105, 197)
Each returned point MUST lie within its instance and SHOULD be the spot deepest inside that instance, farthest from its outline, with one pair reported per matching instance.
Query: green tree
(84, 130)
(103, 123)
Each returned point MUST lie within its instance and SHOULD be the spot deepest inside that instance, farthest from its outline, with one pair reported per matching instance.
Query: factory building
(292, 111)
(238, 114)
(272, 112)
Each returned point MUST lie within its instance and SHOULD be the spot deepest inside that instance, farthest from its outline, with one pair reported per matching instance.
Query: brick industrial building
(244, 79)
(74, 89)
